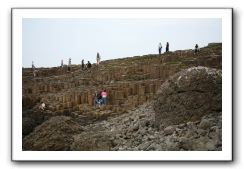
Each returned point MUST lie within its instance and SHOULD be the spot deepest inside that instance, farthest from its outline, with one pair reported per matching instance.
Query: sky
(47, 41)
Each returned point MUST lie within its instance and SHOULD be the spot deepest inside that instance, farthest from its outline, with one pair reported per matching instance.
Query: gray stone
(154, 147)
(201, 132)
(144, 146)
(145, 123)
(182, 125)
(211, 145)
(185, 143)
(169, 130)
(136, 127)
(142, 131)
(204, 124)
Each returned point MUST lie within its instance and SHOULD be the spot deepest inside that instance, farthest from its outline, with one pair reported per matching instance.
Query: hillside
(131, 83)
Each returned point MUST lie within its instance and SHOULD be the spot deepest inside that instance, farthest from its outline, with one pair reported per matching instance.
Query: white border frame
(18, 155)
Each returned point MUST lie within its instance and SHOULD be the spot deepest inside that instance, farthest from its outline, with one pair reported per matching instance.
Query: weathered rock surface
(188, 96)
(54, 134)
(28, 124)
(135, 131)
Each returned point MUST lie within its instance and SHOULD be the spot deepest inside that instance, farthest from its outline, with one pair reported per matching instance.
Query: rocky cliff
(150, 105)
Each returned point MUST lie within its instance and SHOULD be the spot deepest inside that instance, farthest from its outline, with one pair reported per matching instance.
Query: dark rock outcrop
(55, 134)
(28, 124)
(188, 96)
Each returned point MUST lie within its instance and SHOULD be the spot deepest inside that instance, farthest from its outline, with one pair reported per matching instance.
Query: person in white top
(62, 63)
(33, 66)
(160, 48)
(42, 106)
(35, 73)
(98, 58)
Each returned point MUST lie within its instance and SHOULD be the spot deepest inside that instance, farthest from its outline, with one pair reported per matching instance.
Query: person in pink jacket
(104, 95)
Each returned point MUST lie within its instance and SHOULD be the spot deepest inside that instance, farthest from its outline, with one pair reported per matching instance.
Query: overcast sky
(47, 41)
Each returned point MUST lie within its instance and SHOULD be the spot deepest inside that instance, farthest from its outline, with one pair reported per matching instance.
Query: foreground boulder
(28, 124)
(55, 134)
(188, 96)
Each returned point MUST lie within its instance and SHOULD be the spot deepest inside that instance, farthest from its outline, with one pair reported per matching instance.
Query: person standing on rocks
(98, 58)
(196, 49)
(167, 47)
(89, 65)
(104, 96)
(34, 69)
(69, 64)
(33, 66)
(82, 65)
(160, 48)
(69, 61)
(97, 99)
(62, 63)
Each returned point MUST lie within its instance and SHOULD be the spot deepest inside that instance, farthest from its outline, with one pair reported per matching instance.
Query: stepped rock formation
(128, 121)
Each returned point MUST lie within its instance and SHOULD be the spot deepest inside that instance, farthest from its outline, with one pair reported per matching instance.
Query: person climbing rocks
(160, 48)
(89, 65)
(97, 99)
(167, 47)
(42, 106)
(196, 49)
(98, 58)
(104, 96)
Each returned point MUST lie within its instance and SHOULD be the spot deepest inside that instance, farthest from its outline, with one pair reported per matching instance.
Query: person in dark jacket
(196, 49)
(82, 65)
(89, 65)
(167, 47)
